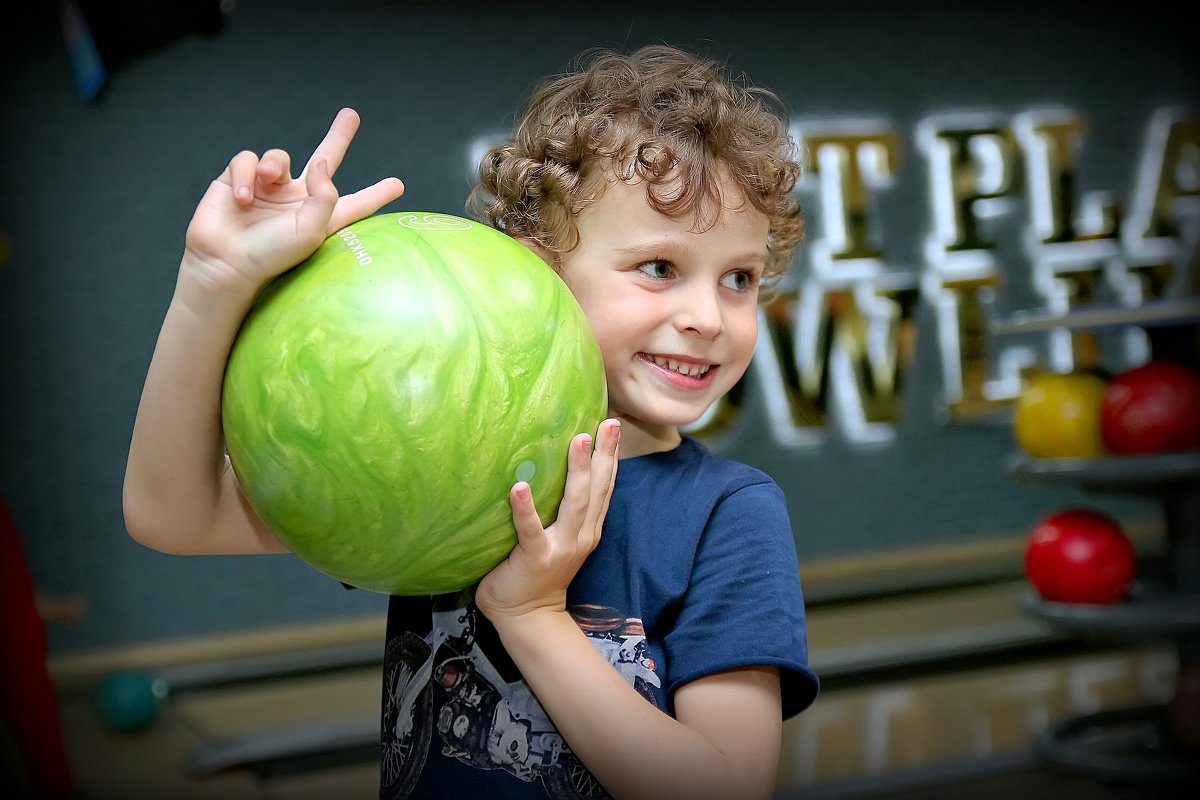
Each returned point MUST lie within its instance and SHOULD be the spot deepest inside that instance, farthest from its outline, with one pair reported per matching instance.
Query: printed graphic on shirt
(442, 690)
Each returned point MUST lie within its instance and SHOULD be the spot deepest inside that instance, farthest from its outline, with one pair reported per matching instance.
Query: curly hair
(677, 122)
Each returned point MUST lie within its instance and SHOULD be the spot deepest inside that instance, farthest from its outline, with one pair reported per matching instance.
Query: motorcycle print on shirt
(444, 686)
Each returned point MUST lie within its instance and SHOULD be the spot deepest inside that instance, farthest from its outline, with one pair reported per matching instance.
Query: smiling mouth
(690, 370)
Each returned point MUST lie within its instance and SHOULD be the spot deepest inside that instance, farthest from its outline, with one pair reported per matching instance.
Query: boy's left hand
(536, 573)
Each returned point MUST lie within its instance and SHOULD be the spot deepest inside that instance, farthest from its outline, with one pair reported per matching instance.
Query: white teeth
(692, 370)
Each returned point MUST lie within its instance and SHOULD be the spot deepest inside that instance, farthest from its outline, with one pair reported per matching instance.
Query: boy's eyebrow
(666, 247)
(652, 245)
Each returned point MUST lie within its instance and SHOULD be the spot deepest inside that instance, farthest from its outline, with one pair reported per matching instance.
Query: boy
(659, 659)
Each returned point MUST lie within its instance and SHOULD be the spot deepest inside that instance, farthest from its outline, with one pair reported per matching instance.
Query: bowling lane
(148, 764)
(235, 711)
(156, 762)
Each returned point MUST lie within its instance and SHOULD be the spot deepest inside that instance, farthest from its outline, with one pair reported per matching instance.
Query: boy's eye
(656, 269)
(739, 281)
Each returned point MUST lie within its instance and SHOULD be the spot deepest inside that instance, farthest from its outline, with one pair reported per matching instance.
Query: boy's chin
(677, 421)
(673, 415)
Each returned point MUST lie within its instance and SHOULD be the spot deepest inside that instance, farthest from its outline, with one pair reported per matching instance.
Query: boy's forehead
(622, 219)
(618, 188)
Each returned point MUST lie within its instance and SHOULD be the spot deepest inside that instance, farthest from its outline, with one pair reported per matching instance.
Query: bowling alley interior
(978, 385)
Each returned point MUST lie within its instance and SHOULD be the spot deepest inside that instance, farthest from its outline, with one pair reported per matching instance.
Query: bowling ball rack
(1132, 745)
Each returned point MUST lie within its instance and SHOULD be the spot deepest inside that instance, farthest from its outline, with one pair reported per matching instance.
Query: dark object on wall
(102, 35)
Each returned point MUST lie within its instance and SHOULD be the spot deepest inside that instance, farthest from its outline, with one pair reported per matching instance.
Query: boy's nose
(699, 312)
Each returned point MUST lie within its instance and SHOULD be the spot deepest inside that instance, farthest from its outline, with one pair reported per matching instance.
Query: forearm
(178, 485)
(634, 749)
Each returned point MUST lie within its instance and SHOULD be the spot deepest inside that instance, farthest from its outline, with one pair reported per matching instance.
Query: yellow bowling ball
(1057, 415)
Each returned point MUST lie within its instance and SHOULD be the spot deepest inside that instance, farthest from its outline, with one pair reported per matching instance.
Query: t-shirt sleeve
(743, 606)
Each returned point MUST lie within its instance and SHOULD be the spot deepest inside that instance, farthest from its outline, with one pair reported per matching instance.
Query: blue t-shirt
(695, 574)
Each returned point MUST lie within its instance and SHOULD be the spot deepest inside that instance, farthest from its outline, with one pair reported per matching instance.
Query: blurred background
(977, 177)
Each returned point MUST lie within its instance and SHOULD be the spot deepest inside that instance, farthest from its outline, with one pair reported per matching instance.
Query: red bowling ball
(1154, 408)
(1078, 555)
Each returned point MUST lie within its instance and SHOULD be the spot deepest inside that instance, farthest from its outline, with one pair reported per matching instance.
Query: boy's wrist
(204, 287)
(534, 623)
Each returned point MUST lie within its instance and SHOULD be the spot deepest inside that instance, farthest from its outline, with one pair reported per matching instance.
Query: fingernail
(243, 192)
(585, 442)
(616, 430)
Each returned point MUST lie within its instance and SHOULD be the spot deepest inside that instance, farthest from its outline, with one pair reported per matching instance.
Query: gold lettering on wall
(973, 176)
(836, 345)
(980, 166)
(848, 164)
(1160, 233)
(1051, 143)
(1071, 237)
(1178, 178)
(875, 332)
(825, 353)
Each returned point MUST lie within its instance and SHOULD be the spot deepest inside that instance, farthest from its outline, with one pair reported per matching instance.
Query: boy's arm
(254, 222)
(180, 494)
(723, 743)
(725, 739)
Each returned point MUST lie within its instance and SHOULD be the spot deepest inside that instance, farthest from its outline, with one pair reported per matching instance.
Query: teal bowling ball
(383, 396)
(128, 700)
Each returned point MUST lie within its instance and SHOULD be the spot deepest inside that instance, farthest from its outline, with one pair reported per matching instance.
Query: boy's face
(675, 311)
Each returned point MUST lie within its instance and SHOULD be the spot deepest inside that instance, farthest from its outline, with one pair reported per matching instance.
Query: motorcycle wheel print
(571, 780)
(402, 757)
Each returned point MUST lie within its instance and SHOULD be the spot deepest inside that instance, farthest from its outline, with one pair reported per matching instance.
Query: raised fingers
(275, 166)
(247, 169)
(241, 172)
(315, 214)
(333, 147)
(365, 202)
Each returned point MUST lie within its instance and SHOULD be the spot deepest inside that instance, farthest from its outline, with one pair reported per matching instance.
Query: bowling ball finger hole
(525, 471)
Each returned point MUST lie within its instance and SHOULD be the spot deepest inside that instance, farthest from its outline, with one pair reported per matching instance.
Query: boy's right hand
(256, 221)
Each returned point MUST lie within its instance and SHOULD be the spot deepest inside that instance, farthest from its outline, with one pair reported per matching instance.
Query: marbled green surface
(381, 400)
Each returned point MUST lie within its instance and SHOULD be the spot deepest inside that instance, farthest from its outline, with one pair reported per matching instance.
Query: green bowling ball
(382, 398)
(127, 700)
